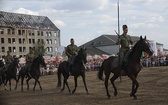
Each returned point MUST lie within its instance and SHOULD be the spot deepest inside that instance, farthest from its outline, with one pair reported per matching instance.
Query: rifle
(118, 38)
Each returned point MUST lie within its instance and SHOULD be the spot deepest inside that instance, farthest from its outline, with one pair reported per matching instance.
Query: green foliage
(40, 49)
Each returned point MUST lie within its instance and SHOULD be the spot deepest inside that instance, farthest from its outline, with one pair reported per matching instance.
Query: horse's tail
(59, 76)
(100, 72)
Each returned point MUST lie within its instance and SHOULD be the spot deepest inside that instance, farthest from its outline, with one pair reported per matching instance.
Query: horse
(11, 72)
(34, 72)
(78, 69)
(2, 71)
(132, 68)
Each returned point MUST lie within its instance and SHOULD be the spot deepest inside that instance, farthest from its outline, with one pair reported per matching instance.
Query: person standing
(71, 52)
(125, 42)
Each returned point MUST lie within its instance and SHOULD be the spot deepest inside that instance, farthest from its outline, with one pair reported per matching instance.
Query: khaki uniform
(8, 59)
(29, 60)
(71, 52)
(125, 41)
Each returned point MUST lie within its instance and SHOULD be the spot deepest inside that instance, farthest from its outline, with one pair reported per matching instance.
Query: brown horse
(132, 68)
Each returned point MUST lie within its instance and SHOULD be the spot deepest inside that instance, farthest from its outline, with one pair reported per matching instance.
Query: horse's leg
(16, 82)
(75, 79)
(115, 76)
(36, 80)
(84, 81)
(10, 84)
(135, 86)
(106, 84)
(39, 85)
(5, 83)
(64, 84)
(27, 81)
(22, 79)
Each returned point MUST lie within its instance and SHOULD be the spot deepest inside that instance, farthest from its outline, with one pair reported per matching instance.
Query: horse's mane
(134, 48)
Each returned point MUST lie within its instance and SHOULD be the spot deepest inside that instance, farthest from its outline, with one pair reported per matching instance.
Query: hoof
(73, 91)
(135, 97)
(109, 96)
(131, 94)
(115, 94)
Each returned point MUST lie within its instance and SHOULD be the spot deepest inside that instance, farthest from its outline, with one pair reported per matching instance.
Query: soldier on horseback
(29, 60)
(71, 52)
(8, 59)
(125, 41)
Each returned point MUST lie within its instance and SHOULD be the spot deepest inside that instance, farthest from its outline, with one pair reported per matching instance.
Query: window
(33, 33)
(13, 40)
(46, 33)
(2, 31)
(29, 32)
(3, 49)
(20, 40)
(56, 49)
(29, 41)
(9, 31)
(51, 49)
(19, 32)
(13, 31)
(33, 41)
(23, 32)
(20, 49)
(2, 40)
(41, 33)
(55, 41)
(38, 41)
(38, 33)
(50, 34)
(55, 34)
(47, 42)
(24, 49)
(14, 49)
(47, 49)
(50, 41)
(9, 40)
(24, 41)
(10, 49)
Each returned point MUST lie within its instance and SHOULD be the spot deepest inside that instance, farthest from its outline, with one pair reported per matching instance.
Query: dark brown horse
(78, 69)
(132, 68)
(34, 72)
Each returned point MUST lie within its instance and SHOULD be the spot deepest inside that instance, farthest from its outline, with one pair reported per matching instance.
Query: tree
(40, 49)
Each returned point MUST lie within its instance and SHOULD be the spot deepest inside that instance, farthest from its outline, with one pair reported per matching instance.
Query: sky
(85, 20)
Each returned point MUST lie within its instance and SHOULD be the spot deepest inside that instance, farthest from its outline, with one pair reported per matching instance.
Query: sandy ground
(153, 90)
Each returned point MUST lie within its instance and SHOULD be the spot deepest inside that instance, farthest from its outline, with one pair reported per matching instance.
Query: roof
(26, 21)
(103, 40)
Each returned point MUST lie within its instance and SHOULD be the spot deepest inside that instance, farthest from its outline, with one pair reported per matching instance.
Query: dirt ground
(153, 90)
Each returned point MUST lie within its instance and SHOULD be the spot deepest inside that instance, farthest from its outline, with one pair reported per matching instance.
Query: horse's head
(82, 54)
(41, 60)
(144, 46)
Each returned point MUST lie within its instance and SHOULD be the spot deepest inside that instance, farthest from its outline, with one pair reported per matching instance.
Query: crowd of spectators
(155, 61)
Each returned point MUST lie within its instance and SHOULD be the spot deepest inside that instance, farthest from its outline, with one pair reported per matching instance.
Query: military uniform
(125, 41)
(71, 52)
(8, 59)
(29, 60)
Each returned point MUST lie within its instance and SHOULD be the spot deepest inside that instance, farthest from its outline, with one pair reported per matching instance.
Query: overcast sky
(85, 20)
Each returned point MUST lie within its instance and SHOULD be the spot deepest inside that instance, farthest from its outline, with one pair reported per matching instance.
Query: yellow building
(20, 32)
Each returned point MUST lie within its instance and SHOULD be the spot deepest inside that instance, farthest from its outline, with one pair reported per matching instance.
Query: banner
(153, 47)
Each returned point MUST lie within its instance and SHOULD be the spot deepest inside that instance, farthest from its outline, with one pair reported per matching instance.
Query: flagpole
(118, 18)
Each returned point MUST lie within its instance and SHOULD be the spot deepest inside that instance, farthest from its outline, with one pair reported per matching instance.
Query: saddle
(121, 67)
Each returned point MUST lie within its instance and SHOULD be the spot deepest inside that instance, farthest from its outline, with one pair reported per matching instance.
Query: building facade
(20, 32)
